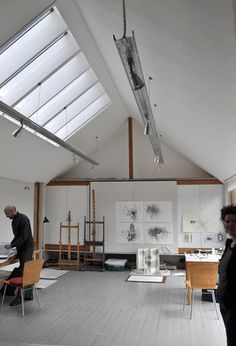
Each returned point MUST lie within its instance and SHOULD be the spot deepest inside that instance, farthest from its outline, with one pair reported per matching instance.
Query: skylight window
(48, 79)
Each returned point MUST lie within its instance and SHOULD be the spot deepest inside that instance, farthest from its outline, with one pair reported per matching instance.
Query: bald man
(23, 241)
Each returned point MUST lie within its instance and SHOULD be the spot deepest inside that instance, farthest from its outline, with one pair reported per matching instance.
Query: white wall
(113, 159)
(200, 197)
(107, 193)
(58, 201)
(16, 193)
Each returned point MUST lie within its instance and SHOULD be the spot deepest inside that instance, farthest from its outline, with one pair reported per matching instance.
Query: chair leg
(37, 295)
(192, 302)
(214, 300)
(22, 301)
(185, 297)
(3, 297)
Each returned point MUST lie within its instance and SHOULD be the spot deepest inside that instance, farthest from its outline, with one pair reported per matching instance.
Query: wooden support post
(94, 220)
(130, 141)
(69, 234)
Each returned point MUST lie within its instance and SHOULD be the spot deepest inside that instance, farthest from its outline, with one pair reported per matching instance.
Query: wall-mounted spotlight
(76, 159)
(147, 128)
(45, 219)
(18, 131)
(157, 159)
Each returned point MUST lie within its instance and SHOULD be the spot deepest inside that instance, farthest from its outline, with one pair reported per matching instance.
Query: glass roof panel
(29, 44)
(48, 79)
(84, 117)
(53, 85)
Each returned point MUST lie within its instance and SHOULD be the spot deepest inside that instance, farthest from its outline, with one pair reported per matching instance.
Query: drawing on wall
(157, 211)
(127, 211)
(213, 239)
(210, 238)
(158, 233)
(199, 221)
(127, 232)
(188, 237)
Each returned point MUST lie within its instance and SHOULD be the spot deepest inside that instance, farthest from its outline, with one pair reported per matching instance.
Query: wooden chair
(201, 275)
(31, 275)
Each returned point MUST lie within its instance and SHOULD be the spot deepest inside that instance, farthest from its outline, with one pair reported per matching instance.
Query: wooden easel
(66, 248)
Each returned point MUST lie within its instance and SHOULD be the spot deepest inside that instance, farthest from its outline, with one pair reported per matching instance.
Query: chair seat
(15, 281)
(188, 284)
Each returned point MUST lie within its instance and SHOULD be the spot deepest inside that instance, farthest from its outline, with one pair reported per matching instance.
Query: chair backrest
(31, 273)
(202, 275)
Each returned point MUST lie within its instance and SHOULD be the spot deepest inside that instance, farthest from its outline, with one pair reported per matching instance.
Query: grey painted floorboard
(102, 309)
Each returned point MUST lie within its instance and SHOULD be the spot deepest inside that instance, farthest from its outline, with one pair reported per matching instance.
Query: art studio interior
(117, 132)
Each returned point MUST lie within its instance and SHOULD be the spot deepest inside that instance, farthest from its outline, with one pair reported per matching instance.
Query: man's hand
(12, 259)
(7, 246)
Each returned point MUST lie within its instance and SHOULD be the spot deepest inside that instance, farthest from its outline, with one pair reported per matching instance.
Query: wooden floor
(95, 308)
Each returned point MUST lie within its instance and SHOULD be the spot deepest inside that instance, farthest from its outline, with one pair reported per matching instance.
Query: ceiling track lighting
(18, 131)
(11, 112)
(128, 52)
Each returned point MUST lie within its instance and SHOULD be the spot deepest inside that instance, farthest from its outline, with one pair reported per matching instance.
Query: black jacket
(23, 239)
(230, 289)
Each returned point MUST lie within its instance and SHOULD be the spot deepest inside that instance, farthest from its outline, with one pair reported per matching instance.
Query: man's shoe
(16, 301)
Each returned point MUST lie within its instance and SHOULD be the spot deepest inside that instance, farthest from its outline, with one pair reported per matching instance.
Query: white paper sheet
(145, 278)
(52, 273)
(45, 283)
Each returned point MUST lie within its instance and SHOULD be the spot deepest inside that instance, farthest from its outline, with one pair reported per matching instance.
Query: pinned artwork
(127, 211)
(148, 221)
(157, 211)
(188, 237)
(213, 239)
(210, 238)
(129, 233)
(200, 221)
(158, 233)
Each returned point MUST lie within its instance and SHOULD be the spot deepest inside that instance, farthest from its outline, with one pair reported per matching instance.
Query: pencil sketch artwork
(213, 239)
(157, 211)
(199, 221)
(158, 233)
(129, 233)
(129, 211)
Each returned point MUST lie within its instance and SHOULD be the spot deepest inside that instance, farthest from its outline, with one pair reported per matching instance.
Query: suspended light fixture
(128, 52)
(18, 131)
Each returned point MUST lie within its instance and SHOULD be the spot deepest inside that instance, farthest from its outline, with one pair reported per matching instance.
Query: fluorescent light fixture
(18, 131)
(128, 52)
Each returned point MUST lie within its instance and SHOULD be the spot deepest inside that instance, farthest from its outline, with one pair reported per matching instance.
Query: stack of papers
(5, 253)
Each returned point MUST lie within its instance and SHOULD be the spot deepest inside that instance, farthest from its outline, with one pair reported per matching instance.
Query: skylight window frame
(24, 85)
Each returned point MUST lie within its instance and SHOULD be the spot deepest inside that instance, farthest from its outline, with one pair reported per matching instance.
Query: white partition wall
(16, 193)
(200, 204)
(58, 201)
(139, 214)
(111, 194)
